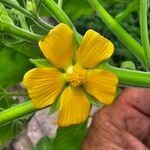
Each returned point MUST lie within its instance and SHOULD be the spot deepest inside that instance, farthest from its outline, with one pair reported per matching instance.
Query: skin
(124, 125)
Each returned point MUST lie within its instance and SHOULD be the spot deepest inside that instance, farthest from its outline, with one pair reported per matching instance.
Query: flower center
(76, 75)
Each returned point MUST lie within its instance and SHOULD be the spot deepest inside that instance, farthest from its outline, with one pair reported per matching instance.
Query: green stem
(35, 18)
(38, 5)
(23, 22)
(144, 31)
(60, 16)
(129, 77)
(122, 35)
(17, 111)
(21, 33)
(58, 13)
(126, 78)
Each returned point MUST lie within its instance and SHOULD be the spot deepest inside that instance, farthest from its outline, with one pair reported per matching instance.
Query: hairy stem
(58, 13)
(60, 16)
(17, 111)
(129, 77)
(144, 31)
(126, 78)
(21, 33)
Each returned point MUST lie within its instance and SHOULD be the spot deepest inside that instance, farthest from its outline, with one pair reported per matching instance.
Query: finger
(132, 112)
(105, 136)
(130, 119)
(138, 98)
(125, 114)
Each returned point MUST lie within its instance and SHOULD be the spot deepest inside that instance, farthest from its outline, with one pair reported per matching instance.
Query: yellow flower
(73, 74)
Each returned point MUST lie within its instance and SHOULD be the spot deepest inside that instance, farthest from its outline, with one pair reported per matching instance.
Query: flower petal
(102, 85)
(43, 85)
(57, 46)
(94, 49)
(74, 107)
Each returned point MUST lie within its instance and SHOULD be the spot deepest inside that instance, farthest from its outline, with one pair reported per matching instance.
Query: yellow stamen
(76, 75)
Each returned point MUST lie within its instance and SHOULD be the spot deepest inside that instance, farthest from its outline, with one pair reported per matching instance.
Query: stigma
(76, 75)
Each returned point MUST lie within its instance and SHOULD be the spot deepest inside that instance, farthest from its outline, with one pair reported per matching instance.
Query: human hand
(124, 125)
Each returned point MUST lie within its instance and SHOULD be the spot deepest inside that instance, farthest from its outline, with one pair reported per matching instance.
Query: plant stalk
(126, 78)
(16, 112)
(144, 31)
(129, 77)
(60, 16)
(21, 33)
(58, 13)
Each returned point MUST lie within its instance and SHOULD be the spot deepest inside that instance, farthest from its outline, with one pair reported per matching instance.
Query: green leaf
(41, 62)
(70, 138)
(10, 130)
(34, 27)
(5, 102)
(4, 15)
(28, 49)
(13, 65)
(55, 106)
(23, 47)
(2, 95)
(17, 17)
(74, 8)
(94, 101)
(44, 143)
(31, 6)
(119, 90)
